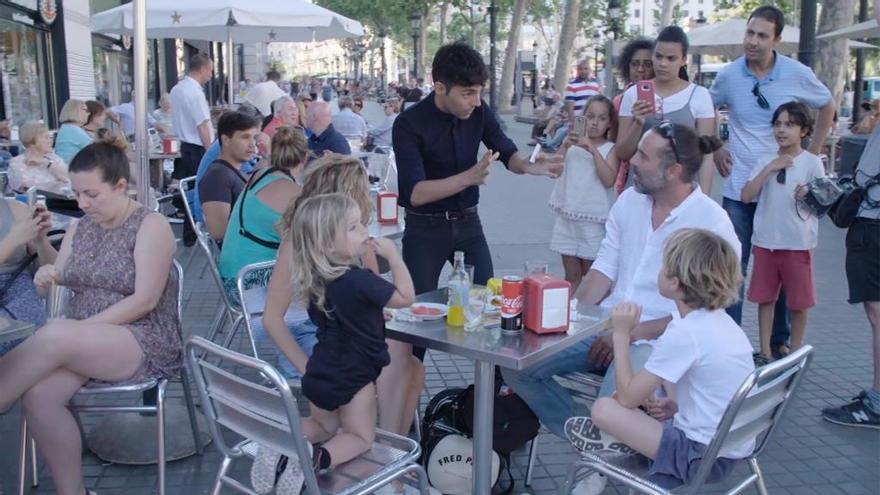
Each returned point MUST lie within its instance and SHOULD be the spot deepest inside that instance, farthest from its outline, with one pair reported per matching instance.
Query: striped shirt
(578, 91)
(751, 130)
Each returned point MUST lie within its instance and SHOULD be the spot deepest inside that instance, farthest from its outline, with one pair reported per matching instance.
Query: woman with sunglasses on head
(676, 99)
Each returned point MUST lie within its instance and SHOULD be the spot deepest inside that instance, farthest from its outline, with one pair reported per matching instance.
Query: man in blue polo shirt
(319, 120)
(436, 144)
(751, 88)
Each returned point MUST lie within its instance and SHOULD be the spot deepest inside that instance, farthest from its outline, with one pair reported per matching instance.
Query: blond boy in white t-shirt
(703, 354)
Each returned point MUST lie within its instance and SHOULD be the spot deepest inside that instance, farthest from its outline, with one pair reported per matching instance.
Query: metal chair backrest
(208, 246)
(267, 415)
(249, 307)
(756, 408)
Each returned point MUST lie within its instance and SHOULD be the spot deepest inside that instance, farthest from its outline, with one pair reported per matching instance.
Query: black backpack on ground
(451, 411)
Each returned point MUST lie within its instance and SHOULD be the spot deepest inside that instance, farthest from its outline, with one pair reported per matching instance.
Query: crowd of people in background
(633, 222)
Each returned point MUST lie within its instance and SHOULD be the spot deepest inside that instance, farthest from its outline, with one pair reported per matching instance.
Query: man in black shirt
(224, 180)
(436, 143)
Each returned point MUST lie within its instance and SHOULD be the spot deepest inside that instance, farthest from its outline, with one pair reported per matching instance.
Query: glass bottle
(459, 289)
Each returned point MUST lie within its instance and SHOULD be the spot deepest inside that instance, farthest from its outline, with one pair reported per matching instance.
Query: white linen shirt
(631, 253)
(350, 124)
(190, 110)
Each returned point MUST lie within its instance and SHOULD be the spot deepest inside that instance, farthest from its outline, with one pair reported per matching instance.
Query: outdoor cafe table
(488, 348)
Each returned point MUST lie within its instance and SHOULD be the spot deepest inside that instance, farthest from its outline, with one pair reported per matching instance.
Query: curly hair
(706, 266)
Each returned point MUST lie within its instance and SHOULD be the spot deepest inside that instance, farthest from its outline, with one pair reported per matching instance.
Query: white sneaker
(593, 484)
(292, 479)
(587, 438)
(264, 469)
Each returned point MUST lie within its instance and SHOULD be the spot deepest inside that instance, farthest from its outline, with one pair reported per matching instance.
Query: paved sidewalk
(807, 456)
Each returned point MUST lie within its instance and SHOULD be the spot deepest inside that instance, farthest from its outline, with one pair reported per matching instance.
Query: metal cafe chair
(754, 412)
(100, 390)
(269, 416)
(252, 305)
(231, 311)
(583, 387)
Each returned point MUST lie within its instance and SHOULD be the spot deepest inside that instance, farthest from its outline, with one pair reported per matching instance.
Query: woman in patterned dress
(121, 321)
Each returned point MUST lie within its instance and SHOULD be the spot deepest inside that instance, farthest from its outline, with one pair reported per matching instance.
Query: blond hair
(314, 261)
(30, 131)
(334, 174)
(289, 148)
(70, 111)
(706, 266)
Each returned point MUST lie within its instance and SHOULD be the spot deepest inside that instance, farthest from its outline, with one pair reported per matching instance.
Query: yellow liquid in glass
(455, 318)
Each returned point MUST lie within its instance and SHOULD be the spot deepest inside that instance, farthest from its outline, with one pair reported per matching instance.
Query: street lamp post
(614, 11)
(493, 32)
(384, 77)
(596, 37)
(535, 74)
(698, 58)
(416, 23)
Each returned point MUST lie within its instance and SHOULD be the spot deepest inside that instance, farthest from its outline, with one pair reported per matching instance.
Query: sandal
(779, 351)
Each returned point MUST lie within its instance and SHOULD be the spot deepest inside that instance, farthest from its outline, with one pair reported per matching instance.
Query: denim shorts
(679, 458)
(304, 332)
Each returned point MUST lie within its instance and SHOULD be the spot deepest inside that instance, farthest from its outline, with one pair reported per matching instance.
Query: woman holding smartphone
(668, 96)
(22, 240)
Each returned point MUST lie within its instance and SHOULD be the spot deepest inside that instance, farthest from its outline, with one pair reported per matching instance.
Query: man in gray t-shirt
(863, 277)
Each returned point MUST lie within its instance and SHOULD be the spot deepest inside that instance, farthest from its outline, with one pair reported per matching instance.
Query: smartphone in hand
(645, 92)
(580, 126)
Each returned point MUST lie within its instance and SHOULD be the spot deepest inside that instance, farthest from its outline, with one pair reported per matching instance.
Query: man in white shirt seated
(664, 199)
(348, 123)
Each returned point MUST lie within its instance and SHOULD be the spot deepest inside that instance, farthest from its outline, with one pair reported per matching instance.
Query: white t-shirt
(190, 110)
(707, 356)
(777, 224)
(701, 105)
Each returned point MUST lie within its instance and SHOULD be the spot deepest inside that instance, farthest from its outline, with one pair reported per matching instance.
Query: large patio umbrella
(243, 21)
(867, 29)
(725, 38)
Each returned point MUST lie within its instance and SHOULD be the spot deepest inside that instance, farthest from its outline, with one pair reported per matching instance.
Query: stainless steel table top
(391, 231)
(493, 345)
(13, 329)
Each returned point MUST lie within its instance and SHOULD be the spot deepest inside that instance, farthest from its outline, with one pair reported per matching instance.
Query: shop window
(22, 73)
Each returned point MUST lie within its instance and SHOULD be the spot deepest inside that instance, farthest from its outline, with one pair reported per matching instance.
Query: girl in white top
(675, 99)
(703, 356)
(584, 192)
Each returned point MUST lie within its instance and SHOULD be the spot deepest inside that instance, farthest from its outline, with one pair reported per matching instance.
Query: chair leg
(216, 325)
(160, 434)
(22, 454)
(221, 473)
(236, 322)
(35, 468)
(421, 477)
(759, 484)
(417, 425)
(533, 458)
(190, 409)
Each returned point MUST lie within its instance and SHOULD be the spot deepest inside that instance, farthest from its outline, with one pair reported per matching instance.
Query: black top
(430, 144)
(352, 332)
(222, 183)
(329, 140)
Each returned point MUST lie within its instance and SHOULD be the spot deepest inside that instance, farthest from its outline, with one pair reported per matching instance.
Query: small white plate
(439, 311)
(492, 309)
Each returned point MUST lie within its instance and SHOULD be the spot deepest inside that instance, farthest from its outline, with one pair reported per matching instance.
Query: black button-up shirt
(430, 144)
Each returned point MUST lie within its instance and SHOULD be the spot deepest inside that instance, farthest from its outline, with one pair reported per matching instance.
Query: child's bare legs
(630, 426)
(798, 328)
(575, 269)
(765, 327)
(399, 387)
(357, 421)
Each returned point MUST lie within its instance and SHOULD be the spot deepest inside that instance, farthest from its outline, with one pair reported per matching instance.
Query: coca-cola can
(512, 299)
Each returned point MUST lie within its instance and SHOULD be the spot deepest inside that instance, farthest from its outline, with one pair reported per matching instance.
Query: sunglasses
(780, 177)
(667, 130)
(762, 102)
(645, 64)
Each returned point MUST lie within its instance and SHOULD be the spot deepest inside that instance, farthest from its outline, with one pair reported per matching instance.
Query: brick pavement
(807, 455)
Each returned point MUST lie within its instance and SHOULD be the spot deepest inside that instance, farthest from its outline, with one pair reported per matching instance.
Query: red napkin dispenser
(386, 207)
(547, 303)
(170, 146)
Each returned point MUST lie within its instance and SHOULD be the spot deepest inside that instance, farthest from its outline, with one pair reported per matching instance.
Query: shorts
(863, 261)
(304, 332)
(331, 381)
(580, 238)
(792, 269)
(679, 458)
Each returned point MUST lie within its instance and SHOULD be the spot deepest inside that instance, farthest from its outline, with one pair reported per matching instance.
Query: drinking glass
(535, 266)
(470, 271)
(473, 312)
(56, 300)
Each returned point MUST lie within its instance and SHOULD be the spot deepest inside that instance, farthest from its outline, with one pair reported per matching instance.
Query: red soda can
(512, 299)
